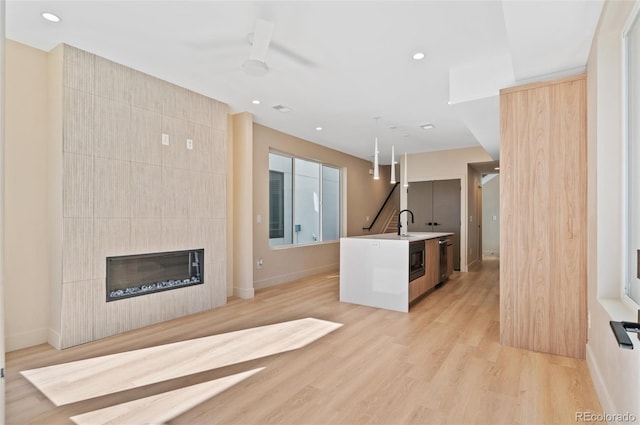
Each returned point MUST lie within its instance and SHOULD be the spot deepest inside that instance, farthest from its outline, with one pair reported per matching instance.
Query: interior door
(446, 212)
(436, 208)
(419, 201)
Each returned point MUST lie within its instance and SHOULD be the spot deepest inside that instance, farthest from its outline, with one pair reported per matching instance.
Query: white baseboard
(598, 383)
(54, 339)
(26, 339)
(284, 278)
(244, 293)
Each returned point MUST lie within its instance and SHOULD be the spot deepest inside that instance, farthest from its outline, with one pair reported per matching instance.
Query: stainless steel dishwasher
(442, 275)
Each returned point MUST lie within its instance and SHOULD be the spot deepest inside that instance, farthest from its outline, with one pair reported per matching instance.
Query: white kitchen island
(374, 269)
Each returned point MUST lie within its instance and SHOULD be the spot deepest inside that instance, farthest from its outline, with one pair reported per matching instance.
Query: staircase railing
(381, 208)
(390, 223)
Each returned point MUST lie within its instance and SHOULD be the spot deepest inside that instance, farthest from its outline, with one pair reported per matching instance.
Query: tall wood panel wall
(543, 203)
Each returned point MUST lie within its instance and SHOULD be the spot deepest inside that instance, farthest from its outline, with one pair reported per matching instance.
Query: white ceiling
(336, 64)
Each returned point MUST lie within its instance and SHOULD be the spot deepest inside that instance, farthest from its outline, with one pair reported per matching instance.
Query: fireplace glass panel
(133, 275)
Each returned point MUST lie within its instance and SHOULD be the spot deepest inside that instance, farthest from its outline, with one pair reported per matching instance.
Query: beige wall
(87, 178)
(474, 214)
(364, 196)
(615, 372)
(54, 188)
(445, 165)
(2, 204)
(491, 208)
(230, 203)
(25, 177)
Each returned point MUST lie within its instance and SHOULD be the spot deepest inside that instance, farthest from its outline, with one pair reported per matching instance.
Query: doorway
(491, 215)
(486, 179)
(436, 208)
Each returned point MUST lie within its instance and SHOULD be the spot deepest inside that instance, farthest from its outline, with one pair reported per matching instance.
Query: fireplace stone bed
(142, 274)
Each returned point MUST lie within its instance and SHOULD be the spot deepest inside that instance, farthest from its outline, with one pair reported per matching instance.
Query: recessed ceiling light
(427, 126)
(50, 17)
(418, 56)
(497, 168)
(255, 102)
(318, 128)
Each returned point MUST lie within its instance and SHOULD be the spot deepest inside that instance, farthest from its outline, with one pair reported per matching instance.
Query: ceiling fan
(260, 39)
(261, 44)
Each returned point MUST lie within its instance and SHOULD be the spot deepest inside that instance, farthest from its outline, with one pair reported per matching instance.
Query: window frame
(341, 206)
(633, 22)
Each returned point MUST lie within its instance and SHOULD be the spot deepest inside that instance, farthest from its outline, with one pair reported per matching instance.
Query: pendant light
(393, 165)
(406, 180)
(393, 160)
(376, 171)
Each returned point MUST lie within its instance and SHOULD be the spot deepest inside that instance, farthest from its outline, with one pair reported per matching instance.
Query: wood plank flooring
(174, 403)
(441, 363)
(83, 379)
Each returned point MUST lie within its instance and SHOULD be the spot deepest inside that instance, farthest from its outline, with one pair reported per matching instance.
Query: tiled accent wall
(126, 193)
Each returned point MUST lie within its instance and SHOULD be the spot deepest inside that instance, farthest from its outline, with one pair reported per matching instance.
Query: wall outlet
(259, 263)
(189, 144)
(165, 139)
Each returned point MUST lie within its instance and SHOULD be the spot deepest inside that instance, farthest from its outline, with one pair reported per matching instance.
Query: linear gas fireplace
(133, 275)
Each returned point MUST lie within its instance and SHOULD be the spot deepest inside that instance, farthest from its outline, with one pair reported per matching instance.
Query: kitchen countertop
(411, 236)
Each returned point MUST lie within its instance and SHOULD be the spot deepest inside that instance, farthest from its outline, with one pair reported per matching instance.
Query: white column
(243, 205)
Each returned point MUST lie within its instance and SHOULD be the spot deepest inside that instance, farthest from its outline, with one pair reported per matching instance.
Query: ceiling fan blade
(223, 70)
(292, 55)
(261, 39)
(216, 44)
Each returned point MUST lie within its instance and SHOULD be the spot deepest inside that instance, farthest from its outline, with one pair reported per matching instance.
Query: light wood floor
(441, 363)
(71, 382)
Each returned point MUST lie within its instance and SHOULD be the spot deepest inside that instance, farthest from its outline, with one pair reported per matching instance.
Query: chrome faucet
(400, 224)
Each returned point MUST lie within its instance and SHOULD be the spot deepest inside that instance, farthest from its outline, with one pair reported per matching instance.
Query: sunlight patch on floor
(84, 379)
(161, 408)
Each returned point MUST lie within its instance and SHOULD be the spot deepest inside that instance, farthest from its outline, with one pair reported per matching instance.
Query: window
(330, 203)
(276, 204)
(632, 131)
(304, 201)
